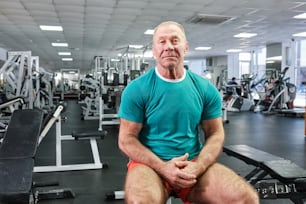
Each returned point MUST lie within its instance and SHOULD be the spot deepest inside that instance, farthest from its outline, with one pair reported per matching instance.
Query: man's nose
(169, 46)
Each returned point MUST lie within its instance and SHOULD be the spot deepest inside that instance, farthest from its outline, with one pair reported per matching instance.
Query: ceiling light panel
(136, 46)
(300, 16)
(59, 44)
(51, 28)
(64, 53)
(202, 48)
(233, 50)
(149, 32)
(245, 35)
(67, 59)
(302, 34)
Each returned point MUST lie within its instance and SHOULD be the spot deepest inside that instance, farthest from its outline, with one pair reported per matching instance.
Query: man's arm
(129, 144)
(214, 136)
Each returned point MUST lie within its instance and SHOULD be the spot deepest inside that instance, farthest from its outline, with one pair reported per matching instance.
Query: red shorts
(181, 193)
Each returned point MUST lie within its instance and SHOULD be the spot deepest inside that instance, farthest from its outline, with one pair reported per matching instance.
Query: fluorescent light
(51, 28)
(59, 44)
(149, 32)
(270, 62)
(233, 50)
(148, 54)
(64, 53)
(208, 75)
(245, 35)
(300, 16)
(115, 60)
(67, 59)
(202, 48)
(136, 46)
(302, 34)
(275, 58)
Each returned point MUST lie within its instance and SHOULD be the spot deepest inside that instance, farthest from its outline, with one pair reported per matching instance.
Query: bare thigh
(143, 185)
(220, 184)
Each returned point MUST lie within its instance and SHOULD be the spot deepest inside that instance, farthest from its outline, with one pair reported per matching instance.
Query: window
(300, 100)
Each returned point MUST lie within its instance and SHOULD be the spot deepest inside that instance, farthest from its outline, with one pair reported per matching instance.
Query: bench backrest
(278, 167)
(21, 137)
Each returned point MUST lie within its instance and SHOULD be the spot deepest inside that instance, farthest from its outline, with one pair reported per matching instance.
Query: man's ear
(153, 52)
(186, 47)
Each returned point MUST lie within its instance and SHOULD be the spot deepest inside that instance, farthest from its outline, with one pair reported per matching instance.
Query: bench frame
(286, 179)
(59, 166)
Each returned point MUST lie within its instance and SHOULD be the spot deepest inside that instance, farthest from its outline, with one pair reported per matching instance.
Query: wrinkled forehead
(169, 29)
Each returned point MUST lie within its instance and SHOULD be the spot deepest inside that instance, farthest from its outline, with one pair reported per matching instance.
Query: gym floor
(279, 135)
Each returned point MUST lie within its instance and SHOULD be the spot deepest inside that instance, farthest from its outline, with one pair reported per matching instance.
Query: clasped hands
(181, 173)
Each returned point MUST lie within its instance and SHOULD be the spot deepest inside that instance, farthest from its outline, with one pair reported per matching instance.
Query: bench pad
(15, 180)
(285, 169)
(84, 135)
(278, 167)
(21, 137)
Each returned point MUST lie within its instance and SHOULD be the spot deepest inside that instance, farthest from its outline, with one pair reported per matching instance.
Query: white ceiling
(104, 27)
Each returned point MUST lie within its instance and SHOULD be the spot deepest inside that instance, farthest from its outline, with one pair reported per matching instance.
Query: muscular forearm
(214, 134)
(132, 148)
(130, 145)
(210, 151)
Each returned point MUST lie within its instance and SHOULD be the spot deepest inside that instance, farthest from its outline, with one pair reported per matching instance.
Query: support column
(233, 65)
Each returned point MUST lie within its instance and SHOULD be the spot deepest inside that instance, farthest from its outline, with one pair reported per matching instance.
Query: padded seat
(88, 135)
(285, 169)
(15, 180)
(249, 154)
(21, 137)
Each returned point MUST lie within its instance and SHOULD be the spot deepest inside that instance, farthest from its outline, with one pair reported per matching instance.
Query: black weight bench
(16, 180)
(89, 135)
(17, 153)
(16, 156)
(273, 177)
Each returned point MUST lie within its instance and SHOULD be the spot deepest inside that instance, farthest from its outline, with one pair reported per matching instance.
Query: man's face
(169, 46)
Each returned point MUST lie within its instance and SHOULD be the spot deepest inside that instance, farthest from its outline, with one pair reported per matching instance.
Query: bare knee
(222, 185)
(254, 198)
(142, 198)
(139, 190)
(248, 196)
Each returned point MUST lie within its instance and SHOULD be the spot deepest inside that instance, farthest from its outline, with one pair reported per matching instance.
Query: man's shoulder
(197, 78)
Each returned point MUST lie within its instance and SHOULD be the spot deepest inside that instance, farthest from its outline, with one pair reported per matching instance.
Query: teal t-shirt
(170, 111)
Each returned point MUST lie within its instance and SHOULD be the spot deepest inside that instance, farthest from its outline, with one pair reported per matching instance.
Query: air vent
(208, 19)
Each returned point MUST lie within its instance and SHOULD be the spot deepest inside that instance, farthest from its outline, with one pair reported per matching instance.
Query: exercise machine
(91, 136)
(6, 110)
(17, 71)
(280, 97)
(69, 83)
(17, 153)
(245, 99)
(273, 177)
